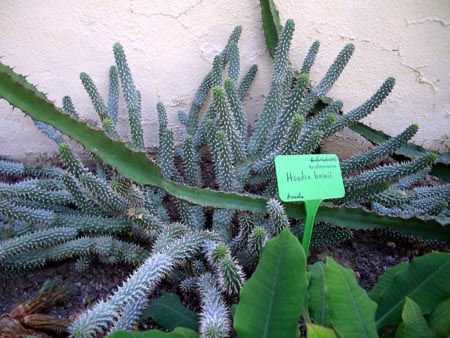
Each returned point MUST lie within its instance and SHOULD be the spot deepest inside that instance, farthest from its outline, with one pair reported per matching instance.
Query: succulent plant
(115, 212)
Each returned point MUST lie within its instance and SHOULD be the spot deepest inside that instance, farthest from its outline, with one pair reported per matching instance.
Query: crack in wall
(417, 70)
(177, 16)
(133, 11)
(429, 19)
(420, 76)
(354, 38)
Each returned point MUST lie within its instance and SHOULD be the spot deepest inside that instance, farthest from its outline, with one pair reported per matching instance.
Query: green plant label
(309, 177)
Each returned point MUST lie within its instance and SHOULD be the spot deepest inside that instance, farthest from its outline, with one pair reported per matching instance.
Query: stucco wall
(170, 46)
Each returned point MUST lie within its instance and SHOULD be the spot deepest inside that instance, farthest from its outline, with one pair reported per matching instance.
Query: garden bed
(119, 213)
(368, 253)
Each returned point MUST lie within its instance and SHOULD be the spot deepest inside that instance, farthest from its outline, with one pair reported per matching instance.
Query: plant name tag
(309, 177)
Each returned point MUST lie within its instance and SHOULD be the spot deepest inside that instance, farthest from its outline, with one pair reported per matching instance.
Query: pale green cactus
(387, 148)
(292, 123)
(113, 97)
(215, 318)
(68, 107)
(172, 251)
(310, 58)
(278, 219)
(274, 99)
(96, 99)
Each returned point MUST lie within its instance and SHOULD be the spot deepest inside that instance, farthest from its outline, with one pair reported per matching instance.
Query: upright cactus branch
(209, 82)
(96, 99)
(358, 161)
(113, 97)
(246, 82)
(334, 71)
(234, 64)
(284, 120)
(275, 98)
(237, 112)
(68, 107)
(310, 58)
(227, 123)
(132, 96)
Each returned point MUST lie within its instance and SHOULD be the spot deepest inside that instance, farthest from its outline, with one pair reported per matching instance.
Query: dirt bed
(368, 253)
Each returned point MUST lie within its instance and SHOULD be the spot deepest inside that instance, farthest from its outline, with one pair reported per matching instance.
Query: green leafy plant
(272, 300)
(335, 300)
(177, 333)
(331, 303)
(170, 313)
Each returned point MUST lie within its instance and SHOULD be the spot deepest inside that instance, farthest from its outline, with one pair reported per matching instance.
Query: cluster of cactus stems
(50, 213)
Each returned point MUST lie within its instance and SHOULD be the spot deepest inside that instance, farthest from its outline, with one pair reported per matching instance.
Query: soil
(368, 253)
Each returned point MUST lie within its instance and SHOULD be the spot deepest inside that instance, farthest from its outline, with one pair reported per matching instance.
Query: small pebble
(391, 245)
(357, 274)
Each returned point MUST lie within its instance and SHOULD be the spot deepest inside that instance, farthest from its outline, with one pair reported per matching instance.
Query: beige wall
(170, 46)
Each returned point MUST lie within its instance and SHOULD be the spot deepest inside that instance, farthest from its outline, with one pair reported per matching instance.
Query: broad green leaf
(413, 325)
(385, 280)
(233, 310)
(271, 301)
(186, 332)
(425, 281)
(179, 332)
(168, 312)
(317, 300)
(439, 319)
(271, 24)
(317, 331)
(350, 310)
(358, 219)
(442, 170)
(136, 166)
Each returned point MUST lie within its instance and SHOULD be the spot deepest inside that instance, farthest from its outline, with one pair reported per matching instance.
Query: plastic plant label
(309, 177)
